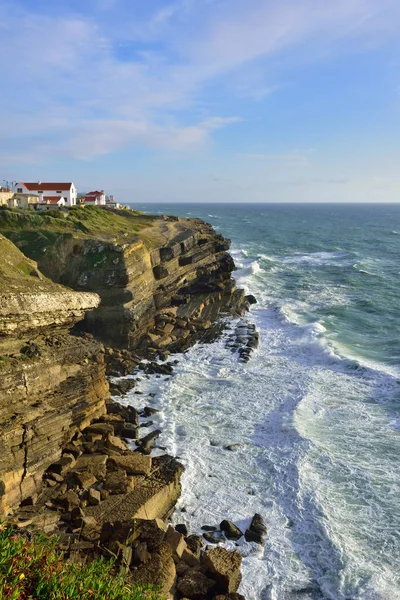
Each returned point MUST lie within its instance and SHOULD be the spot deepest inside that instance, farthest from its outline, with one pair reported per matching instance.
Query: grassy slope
(18, 273)
(36, 569)
(39, 230)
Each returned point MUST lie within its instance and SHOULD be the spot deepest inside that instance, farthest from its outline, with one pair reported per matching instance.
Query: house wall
(69, 195)
(5, 197)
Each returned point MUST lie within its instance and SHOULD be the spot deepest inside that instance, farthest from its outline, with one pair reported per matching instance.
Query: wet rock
(257, 530)
(129, 431)
(195, 544)
(233, 447)
(231, 531)
(209, 528)
(224, 567)
(147, 443)
(251, 299)
(121, 388)
(181, 527)
(128, 413)
(214, 537)
(148, 411)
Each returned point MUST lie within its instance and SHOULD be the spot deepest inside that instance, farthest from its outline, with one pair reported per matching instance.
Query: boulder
(195, 585)
(128, 413)
(92, 463)
(251, 299)
(195, 544)
(176, 541)
(82, 479)
(104, 429)
(116, 482)
(116, 444)
(94, 497)
(146, 444)
(224, 566)
(257, 530)
(158, 571)
(181, 527)
(231, 531)
(214, 537)
(129, 431)
(134, 463)
(68, 501)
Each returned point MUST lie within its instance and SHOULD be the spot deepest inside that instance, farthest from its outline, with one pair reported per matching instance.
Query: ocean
(314, 414)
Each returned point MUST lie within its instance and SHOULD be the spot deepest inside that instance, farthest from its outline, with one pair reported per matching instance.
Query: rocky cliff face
(162, 282)
(161, 286)
(51, 383)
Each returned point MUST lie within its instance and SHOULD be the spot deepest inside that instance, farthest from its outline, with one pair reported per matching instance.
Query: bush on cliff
(32, 568)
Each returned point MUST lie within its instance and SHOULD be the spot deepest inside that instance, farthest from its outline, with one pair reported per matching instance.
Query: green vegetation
(44, 233)
(81, 221)
(18, 273)
(34, 569)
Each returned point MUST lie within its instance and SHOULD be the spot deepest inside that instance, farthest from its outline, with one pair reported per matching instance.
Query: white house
(66, 190)
(97, 198)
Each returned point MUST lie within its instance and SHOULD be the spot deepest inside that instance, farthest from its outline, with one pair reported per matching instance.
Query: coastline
(99, 489)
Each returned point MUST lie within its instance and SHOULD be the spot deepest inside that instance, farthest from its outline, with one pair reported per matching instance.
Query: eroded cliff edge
(161, 280)
(51, 383)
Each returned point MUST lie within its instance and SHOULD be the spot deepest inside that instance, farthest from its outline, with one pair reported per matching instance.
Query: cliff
(50, 382)
(162, 280)
(142, 283)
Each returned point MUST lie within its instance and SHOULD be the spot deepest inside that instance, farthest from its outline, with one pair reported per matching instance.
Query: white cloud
(68, 91)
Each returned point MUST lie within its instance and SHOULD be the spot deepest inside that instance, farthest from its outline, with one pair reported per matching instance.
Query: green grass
(36, 570)
(87, 221)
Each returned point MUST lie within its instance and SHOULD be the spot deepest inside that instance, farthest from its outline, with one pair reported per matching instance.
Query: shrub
(33, 568)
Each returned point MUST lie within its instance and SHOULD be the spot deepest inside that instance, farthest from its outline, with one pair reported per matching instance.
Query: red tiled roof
(96, 193)
(44, 186)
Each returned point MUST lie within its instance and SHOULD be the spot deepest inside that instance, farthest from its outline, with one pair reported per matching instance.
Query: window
(40, 192)
(59, 192)
(19, 190)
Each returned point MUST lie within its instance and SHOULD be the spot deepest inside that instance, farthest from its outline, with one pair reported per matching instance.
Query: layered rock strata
(51, 383)
(159, 289)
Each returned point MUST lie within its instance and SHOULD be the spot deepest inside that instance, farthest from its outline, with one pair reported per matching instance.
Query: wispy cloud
(68, 91)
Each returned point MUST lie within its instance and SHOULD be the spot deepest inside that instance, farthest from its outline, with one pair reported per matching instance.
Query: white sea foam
(292, 411)
(318, 445)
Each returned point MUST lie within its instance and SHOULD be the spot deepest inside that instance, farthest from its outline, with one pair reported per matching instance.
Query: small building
(26, 200)
(5, 197)
(51, 203)
(52, 189)
(96, 198)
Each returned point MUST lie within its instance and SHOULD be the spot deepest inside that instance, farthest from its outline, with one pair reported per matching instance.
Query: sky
(204, 100)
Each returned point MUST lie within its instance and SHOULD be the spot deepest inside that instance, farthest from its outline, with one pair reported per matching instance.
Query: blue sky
(204, 100)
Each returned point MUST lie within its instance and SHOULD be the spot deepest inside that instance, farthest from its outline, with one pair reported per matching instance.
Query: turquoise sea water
(316, 411)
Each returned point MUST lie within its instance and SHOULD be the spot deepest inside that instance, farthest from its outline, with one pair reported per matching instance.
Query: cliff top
(36, 232)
